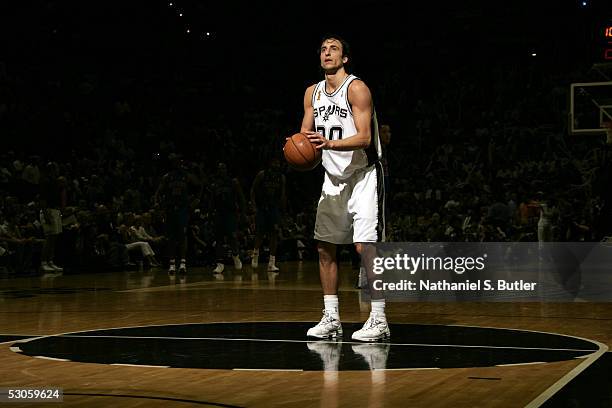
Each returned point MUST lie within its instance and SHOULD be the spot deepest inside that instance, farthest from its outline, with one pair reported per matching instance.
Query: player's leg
(49, 225)
(328, 268)
(56, 220)
(273, 247)
(171, 250)
(219, 239)
(273, 220)
(182, 253)
(259, 233)
(256, 246)
(376, 327)
(171, 232)
(368, 206)
(332, 227)
(231, 231)
(181, 239)
(329, 326)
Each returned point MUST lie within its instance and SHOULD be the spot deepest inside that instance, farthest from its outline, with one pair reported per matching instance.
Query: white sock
(183, 261)
(256, 252)
(331, 305)
(378, 307)
(272, 260)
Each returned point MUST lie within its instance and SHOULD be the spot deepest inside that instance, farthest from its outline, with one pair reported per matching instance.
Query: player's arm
(308, 120)
(360, 99)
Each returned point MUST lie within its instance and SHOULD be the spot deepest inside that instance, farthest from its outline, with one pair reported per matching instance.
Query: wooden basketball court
(82, 365)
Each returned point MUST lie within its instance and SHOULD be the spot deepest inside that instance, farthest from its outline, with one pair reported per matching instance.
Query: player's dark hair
(346, 48)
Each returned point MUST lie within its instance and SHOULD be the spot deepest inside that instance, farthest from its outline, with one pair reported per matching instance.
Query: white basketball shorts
(352, 210)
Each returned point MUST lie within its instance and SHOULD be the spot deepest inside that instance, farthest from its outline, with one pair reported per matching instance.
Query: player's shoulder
(310, 89)
(358, 85)
(358, 92)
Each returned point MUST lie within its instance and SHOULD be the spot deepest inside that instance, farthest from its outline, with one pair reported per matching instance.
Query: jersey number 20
(335, 132)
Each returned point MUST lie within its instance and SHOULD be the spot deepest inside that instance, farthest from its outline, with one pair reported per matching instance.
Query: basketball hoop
(608, 126)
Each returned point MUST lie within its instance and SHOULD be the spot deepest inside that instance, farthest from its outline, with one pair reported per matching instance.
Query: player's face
(331, 55)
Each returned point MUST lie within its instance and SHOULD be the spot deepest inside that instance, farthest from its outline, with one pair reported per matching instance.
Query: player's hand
(318, 140)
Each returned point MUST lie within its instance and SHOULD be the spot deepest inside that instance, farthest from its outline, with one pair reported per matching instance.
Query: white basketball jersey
(334, 119)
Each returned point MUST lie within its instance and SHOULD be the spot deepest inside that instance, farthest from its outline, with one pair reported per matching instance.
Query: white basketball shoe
(237, 262)
(374, 329)
(328, 328)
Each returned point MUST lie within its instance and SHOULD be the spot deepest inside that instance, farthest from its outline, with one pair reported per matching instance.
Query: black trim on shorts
(381, 207)
(372, 150)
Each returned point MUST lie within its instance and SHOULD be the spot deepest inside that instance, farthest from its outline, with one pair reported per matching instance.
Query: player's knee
(359, 248)
(326, 253)
(364, 248)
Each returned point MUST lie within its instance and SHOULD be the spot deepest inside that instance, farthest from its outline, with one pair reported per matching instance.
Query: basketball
(300, 153)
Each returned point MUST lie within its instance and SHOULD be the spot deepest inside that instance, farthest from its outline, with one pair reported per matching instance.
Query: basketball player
(227, 200)
(174, 196)
(52, 202)
(267, 198)
(339, 117)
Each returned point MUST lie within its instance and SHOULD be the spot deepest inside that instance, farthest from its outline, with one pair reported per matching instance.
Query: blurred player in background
(227, 201)
(53, 195)
(174, 196)
(268, 199)
(339, 118)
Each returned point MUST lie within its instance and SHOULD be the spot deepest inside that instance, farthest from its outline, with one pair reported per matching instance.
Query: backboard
(590, 107)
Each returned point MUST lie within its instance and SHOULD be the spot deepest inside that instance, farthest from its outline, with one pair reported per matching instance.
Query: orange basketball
(300, 153)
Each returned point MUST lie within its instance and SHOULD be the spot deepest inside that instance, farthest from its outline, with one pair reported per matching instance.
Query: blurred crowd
(472, 157)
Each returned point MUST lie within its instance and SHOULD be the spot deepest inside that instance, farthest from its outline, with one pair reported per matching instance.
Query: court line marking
(152, 397)
(406, 369)
(563, 381)
(267, 369)
(520, 364)
(139, 365)
(320, 342)
(24, 337)
(51, 358)
(589, 359)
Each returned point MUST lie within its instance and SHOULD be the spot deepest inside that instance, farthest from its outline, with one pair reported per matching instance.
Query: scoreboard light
(604, 35)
